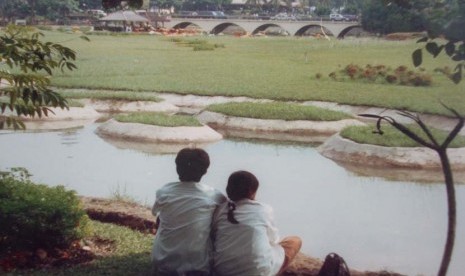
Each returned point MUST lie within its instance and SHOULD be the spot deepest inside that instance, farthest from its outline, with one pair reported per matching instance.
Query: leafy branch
(26, 91)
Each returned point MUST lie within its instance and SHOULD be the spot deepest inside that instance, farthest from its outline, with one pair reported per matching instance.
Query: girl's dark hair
(241, 184)
(192, 164)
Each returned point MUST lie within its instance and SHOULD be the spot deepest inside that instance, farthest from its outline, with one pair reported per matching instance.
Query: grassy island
(393, 137)
(158, 119)
(277, 111)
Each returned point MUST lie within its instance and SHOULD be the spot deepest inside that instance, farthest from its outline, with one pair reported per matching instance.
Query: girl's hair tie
(231, 209)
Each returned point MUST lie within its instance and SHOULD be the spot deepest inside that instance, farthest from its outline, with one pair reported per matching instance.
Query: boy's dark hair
(241, 184)
(192, 164)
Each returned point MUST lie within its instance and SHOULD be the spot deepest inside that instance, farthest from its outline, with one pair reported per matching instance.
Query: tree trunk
(452, 212)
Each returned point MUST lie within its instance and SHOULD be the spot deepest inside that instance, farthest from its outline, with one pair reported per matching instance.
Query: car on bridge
(283, 16)
(202, 14)
(336, 17)
(350, 17)
(209, 14)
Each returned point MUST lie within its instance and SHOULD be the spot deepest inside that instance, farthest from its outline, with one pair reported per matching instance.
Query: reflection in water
(278, 136)
(374, 223)
(402, 174)
(69, 137)
(149, 147)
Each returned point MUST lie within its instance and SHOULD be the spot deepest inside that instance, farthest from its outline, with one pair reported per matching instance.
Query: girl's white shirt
(182, 242)
(250, 247)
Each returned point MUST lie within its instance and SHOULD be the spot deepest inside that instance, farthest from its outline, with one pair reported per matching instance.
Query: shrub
(197, 44)
(204, 47)
(37, 216)
(382, 74)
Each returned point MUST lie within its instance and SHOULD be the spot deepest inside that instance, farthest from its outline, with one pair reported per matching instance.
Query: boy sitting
(184, 211)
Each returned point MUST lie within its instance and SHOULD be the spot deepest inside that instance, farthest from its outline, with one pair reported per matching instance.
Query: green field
(266, 67)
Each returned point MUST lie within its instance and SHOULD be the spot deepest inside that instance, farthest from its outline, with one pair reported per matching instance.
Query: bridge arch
(305, 28)
(221, 27)
(263, 27)
(348, 29)
(184, 25)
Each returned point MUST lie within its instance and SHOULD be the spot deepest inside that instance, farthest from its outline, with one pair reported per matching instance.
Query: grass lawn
(158, 119)
(108, 95)
(130, 254)
(392, 137)
(266, 67)
(276, 110)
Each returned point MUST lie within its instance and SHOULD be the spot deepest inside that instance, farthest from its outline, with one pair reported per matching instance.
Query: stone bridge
(296, 28)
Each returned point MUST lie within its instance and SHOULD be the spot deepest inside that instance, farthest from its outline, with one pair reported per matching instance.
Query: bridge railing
(255, 17)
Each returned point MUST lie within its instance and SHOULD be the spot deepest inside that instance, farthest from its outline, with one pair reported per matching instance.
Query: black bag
(334, 265)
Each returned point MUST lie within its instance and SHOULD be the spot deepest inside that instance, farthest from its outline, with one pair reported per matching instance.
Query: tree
(254, 4)
(454, 47)
(112, 4)
(90, 4)
(322, 10)
(25, 91)
(56, 9)
(380, 18)
(50, 9)
(10, 9)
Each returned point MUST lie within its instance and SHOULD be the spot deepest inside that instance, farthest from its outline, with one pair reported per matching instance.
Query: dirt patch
(122, 213)
(403, 36)
(78, 252)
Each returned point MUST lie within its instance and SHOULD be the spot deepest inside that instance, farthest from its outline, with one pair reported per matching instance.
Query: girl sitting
(246, 242)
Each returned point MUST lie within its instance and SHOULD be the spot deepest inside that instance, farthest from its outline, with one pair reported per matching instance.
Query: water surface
(372, 222)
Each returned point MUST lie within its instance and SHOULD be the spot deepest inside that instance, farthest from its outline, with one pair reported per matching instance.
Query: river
(372, 222)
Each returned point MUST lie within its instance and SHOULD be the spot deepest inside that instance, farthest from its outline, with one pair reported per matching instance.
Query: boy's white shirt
(250, 247)
(182, 242)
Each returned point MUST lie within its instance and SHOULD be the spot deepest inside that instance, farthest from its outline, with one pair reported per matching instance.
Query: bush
(37, 216)
(197, 44)
(382, 74)
(204, 47)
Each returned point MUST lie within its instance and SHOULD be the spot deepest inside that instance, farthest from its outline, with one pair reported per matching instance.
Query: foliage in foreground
(25, 91)
(158, 119)
(392, 137)
(37, 216)
(278, 111)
